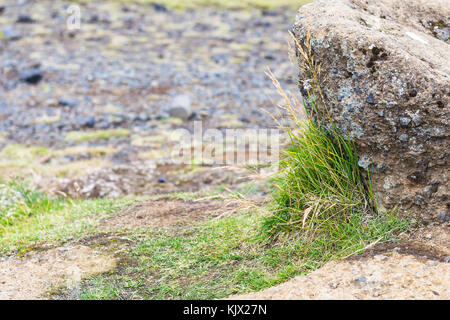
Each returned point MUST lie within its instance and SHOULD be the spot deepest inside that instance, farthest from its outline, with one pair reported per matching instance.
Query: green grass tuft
(321, 199)
(79, 136)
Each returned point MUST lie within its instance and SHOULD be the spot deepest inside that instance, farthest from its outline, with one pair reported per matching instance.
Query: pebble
(31, 76)
(159, 7)
(370, 99)
(9, 33)
(417, 120)
(87, 122)
(444, 216)
(404, 122)
(67, 103)
(25, 18)
(181, 107)
(427, 191)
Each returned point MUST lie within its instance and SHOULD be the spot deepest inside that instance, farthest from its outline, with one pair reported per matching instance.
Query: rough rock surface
(385, 74)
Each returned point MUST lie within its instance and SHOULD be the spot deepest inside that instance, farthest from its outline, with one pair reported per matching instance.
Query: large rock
(385, 68)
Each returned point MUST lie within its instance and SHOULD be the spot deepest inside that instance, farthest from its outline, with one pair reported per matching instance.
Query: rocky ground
(90, 113)
(105, 96)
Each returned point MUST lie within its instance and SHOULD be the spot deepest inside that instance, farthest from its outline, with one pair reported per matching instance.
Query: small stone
(361, 279)
(94, 18)
(159, 7)
(87, 122)
(31, 76)
(67, 103)
(142, 117)
(434, 182)
(364, 162)
(404, 122)
(419, 200)
(427, 191)
(417, 120)
(181, 107)
(333, 285)
(444, 217)
(370, 99)
(9, 33)
(24, 18)
(403, 137)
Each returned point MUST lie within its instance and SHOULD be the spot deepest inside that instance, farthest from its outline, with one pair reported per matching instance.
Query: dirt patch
(426, 243)
(434, 235)
(167, 212)
(144, 178)
(32, 275)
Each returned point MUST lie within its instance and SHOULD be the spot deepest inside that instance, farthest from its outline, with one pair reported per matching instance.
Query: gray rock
(31, 76)
(67, 103)
(9, 33)
(417, 120)
(443, 216)
(364, 162)
(427, 191)
(404, 122)
(85, 122)
(181, 107)
(402, 98)
(24, 18)
(370, 99)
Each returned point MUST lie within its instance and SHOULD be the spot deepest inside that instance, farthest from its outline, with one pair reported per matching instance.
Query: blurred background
(90, 91)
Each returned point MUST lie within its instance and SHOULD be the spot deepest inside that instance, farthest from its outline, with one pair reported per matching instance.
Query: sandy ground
(30, 276)
(393, 276)
(417, 268)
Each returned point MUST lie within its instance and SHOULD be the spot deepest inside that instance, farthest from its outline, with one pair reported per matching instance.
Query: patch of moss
(79, 136)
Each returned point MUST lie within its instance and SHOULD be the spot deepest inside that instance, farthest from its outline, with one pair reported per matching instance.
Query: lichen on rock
(386, 78)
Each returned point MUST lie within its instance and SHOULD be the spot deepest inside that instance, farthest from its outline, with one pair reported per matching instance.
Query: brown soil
(32, 275)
